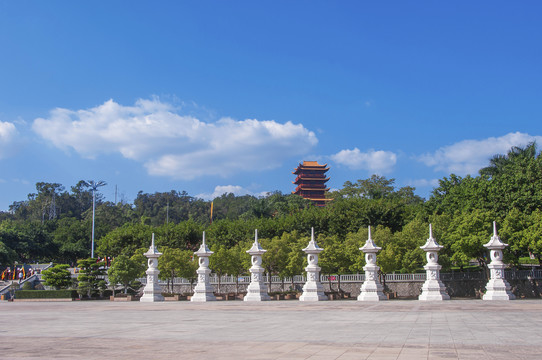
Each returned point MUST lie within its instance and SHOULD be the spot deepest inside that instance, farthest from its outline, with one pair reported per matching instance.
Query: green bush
(28, 286)
(45, 294)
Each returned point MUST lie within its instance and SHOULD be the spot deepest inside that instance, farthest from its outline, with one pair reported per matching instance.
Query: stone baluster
(313, 289)
(256, 291)
(497, 287)
(371, 289)
(433, 288)
(152, 291)
(203, 290)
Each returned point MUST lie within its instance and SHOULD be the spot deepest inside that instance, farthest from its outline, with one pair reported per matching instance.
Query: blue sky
(213, 97)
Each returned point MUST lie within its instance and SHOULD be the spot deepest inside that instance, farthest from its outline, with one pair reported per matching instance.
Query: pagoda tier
(311, 181)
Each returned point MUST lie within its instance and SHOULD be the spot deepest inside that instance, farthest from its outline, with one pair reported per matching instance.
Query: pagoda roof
(153, 251)
(312, 248)
(312, 198)
(370, 246)
(203, 250)
(310, 165)
(256, 249)
(431, 243)
(495, 243)
(313, 163)
(310, 178)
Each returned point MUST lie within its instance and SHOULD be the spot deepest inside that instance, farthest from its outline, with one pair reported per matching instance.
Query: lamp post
(94, 185)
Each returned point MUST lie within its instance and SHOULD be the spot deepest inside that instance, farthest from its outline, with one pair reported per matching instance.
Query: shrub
(46, 294)
(58, 276)
(28, 286)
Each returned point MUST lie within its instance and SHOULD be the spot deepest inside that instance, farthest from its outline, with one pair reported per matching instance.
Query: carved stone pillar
(256, 291)
(497, 287)
(371, 289)
(433, 288)
(152, 291)
(313, 289)
(203, 290)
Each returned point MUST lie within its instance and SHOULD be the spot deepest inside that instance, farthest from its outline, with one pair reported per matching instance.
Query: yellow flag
(211, 212)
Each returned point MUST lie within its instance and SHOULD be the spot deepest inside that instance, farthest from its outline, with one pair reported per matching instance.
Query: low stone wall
(405, 289)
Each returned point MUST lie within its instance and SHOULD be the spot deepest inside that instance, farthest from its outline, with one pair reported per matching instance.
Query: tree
(169, 264)
(90, 277)
(297, 260)
(218, 262)
(71, 238)
(7, 255)
(238, 262)
(275, 260)
(334, 260)
(187, 266)
(123, 270)
(124, 240)
(58, 276)
(469, 231)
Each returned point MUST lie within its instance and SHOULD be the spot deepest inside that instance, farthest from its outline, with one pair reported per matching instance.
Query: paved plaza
(397, 329)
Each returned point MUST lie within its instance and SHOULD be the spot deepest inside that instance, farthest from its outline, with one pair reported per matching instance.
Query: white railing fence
(357, 278)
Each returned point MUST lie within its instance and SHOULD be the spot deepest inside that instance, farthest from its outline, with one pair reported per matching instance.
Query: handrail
(358, 278)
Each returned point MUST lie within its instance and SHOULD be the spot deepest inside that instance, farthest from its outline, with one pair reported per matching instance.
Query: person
(20, 276)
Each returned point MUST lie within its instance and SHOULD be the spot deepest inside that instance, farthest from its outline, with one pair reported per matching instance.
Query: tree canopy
(53, 224)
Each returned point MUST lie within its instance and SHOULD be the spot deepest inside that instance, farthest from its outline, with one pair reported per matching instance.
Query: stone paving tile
(274, 330)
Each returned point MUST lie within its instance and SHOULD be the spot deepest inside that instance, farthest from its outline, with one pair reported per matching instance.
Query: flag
(3, 274)
(24, 273)
(211, 212)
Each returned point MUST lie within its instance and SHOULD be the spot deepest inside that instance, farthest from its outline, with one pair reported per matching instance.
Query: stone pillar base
(372, 291)
(433, 290)
(152, 291)
(156, 297)
(257, 296)
(498, 289)
(313, 290)
(202, 297)
(203, 290)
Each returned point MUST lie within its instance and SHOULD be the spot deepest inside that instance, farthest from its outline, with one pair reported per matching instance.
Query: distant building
(311, 181)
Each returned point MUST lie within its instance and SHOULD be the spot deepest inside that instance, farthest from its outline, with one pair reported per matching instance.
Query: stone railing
(358, 278)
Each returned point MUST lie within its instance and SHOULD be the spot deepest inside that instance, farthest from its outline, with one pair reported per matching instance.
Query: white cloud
(170, 144)
(423, 182)
(469, 156)
(378, 162)
(8, 135)
(226, 189)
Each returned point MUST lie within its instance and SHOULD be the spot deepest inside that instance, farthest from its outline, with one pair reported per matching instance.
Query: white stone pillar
(256, 291)
(203, 290)
(497, 287)
(433, 288)
(313, 289)
(371, 289)
(152, 291)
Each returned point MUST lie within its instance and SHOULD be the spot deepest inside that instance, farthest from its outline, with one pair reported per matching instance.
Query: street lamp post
(94, 185)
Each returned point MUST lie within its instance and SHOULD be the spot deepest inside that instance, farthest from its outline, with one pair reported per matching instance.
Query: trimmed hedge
(46, 294)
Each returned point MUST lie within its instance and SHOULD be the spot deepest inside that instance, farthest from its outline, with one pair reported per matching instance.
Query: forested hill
(54, 224)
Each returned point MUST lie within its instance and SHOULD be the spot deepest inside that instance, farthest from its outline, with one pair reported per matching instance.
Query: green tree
(297, 259)
(124, 271)
(219, 262)
(169, 265)
(72, 239)
(188, 266)
(469, 232)
(125, 240)
(90, 277)
(238, 262)
(58, 276)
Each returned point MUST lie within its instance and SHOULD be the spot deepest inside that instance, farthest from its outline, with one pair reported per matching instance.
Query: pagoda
(310, 181)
